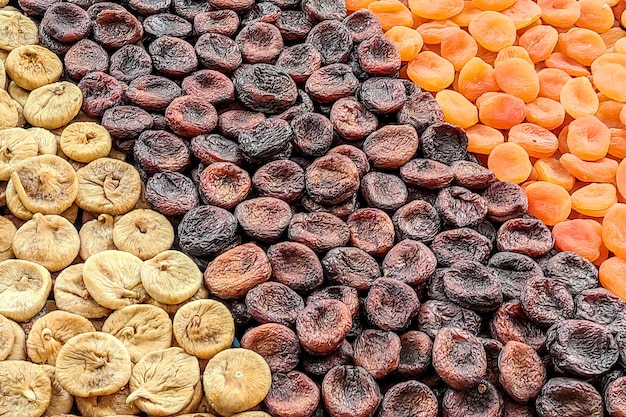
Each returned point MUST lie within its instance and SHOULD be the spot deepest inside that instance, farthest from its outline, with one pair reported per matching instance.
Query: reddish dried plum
(391, 146)
(444, 142)
(211, 86)
(206, 230)
(319, 231)
(35, 7)
(153, 92)
(293, 25)
(505, 201)
(371, 230)
(223, 22)
(263, 11)
(263, 218)
(312, 133)
(332, 39)
(383, 191)
(391, 304)
(513, 270)
(356, 155)
(471, 285)
(296, 266)
(130, 62)
(483, 400)
(615, 397)
(292, 395)
(351, 119)
(435, 315)
(277, 344)
(282, 179)
(189, 9)
(462, 244)
(417, 220)
(83, 57)
(522, 373)
(350, 266)
(377, 351)
(218, 52)
(350, 391)
(259, 42)
(409, 261)
(415, 354)
(269, 140)
(426, 173)
(59, 48)
(569, 397)
(149, 7)
(324, 9)
(126, 122)
(459, 207)
(172, 56)
(343, 293)
(342, 210)
(215, 148)
(236, 5)
(420, 111)
(379, 57)
(167, 24)
(331, 83)
(320, 365)
(410, 398)
(116, 28)
(510, 322)
(171, 193)
(362, 25)
(224, 184)
(331, 179)
(459, 358)
(102, 92)
(576, 272)
(322, 325)
(546, 301)
(382, 95)
(299, 61)
(264, 87)
(581, 347)
(602, 307)
(273, 302)
(189, 116)
(66, 22)
(472, 175)
(527, 236)
(233, 122)
(161, 151)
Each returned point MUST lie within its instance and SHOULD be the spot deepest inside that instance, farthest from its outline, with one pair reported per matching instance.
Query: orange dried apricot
(609, 113)
(579, 98)
(567, 64)
(614, 230)
(510, 162)
(610, 79)
(433, 32)
(408, 41)
(608, 58)
(602, 170)
(582, 236)
(620, 45)
(493, 30)
(613, 276)
(551, 82)
(482, 139)
(496, 5)
(595, 15)
(582, 45)
(430, 71)
(545, 112)
(500, 110)
(539, 41)
(518, 77)
(512, 52)
(469, 10)
(551, 170)
(538, 141)
(458, 47)
(523, 13)
(620, 178)
(617, 147)
(440, 9)
(391, 13)
(548, 202)
(588, 138)
(622, 115)
(476, 78)
(563, 140)
(559, 13)
(594, 199)
(353, 5)
(457, 109)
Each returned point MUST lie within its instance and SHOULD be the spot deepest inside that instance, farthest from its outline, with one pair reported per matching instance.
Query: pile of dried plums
(372, 262)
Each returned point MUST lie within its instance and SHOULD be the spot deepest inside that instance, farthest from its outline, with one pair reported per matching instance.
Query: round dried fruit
(85, 141)
(449, 346)
(96, 236)
(16, 144)
(292, 394)
(350, 391)
(322, 325)
(53, 105)
(144, 233)
(33, 66)
(61, 401)
(24, 288)
(26, 389)
(105, 405)
(17, 30)
(277, 344)
(70, 294)
(171, 277)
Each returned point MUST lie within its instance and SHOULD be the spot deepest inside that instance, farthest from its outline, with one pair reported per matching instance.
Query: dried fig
(9, 116)
(85, 141)
(71, 294)
(25, 389)
(53, 105)
(24, 288)
(47, 142)
(61, 401)
(17, 30)
(144, 233)
(16, 144)
(7, 231)
(96, 236)
(33, 66)
(107, 405)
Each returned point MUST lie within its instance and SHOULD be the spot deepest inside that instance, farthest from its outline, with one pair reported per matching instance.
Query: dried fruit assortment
(261, 178)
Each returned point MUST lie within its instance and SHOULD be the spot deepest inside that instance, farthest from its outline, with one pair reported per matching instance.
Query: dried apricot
(551, 170)
(430, 71)
(548, 202)
(583, 236)
(475, 78)
(482, 139)
(613, 276)
(538, 141)
(500, 110)
(594, 199)
(457, 109)
(510, 162)
(588, 138)
(493, 30)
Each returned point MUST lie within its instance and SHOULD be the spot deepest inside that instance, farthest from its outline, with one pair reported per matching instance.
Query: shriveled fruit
(350, 390)
(53, 105)
(522, 373)
(16, 145)
(276, 343)
(273, 302)
(25, 287)
(451, 344)
(70, 294)
(61, 402)
(85, 141)
(480, 400)
(377, 351)
(112, 404)
(171, 277)
(96, 235)
(20, 30)
(568, 396)
(292, 394)
(143, 232)
(33, 66)
(322, 325)
(26, 389)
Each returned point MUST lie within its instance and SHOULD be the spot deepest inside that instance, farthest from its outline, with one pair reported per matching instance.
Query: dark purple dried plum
(444, 142)
(526, 236)
(319, 231)
(294, 25)
(171, 193)
(149, 7)
(576, 272)
(350, 266)
(126, 122)
(471, 285)
(130, 62)
(343, 293)
(602, 307)
(259, 42)
(382, 95)
(482, 400)
(215, 148)
(59, 48)
(273, 302)
(66, 22)
(277, 344)
(426, 173)
(350, 391)
(356, 155)
(101, 92)
(462, 244)
(415, 354)
(331, 179)
(320, 365)
(362, 24)
(190, 116)
(569, 397)
(546, 301)
(292, 394)
(391, 146)
(522, 373)
(265, 88)
(513, 270)
(83, 57)
(189, 9)
(322, 325)
(153, 92)
(223, 22)
(262, 11)
(296, 266)
(391, 304)
(377, 351)
(615, 397)
(417, 220)
(218, 52)
(172, 56)
(472, 175)
(161, 151)
(505, 201)
(420, 110)
(312, 134)
(331, 83)
(379, 57)
(167, 24)
(210, 85)
(435, 315)
(409, 261)
(116, 28)
(269, 140)
(352, 120)
(236, 5)
(35, 7)
(332, 39)
(371, 230)
(234, 122)
(299, 61)
(263, 218)
(459, 207)
(383, 191)
(510, 322)
(224, 184)
(459, 358)
(206, 230)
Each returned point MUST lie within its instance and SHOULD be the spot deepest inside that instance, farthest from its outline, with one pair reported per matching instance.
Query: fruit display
(240, 208)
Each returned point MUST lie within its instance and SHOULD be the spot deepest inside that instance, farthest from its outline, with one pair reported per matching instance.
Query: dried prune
(576, 272)
(259, 42)
(383, 191)
(379, 57)
(371, 230)
(391, 146)
(341, 210)
(505, 201)
(224, 184)
(206, 230)
(189, 116)
(215, 148)
(513, 270)
(172, 56)
(356, 155)
(116, 28)
(527, 236)
(320, 365)
(426, 173)
(435, 315)
(483, 400)
(149, 7)
(167, 24)
(569, 397)
(420, 110)
(409, 261)
(382, 95)
(546, 301)
(312, 133)
(510, 322)
(66, 22)
(444, 142)
(152, 92)
(322, 325)
(223, 22)
(83, 57)
(264, 87)
(35, 7)
(218, 52)
(319, 231)
(459, 207)
(331, 83)
(615, 397)
(377, 351)
(409, 398)
(362, 25)
(130, 62)
(59, 48)
(343, 293)
(332, 39)
(211, 86)
(171, 193)
(263, 218)
(462, 244)
(350, 391)
(581, 347)
(278, 345)
(299, 61)
(296, 266)
(459, 358)
(415, 354)
(350, 266)
(161, 151)
(522, 373)
(351, 120)
(282, 179)
(273, 302)
(324, 9)
(331, 179)
(472, 175)
(391, 304)
(269, 140)
(471, 285)
(602, 307)
(417, 220)
(292, 395)
(189, 9)
(100, 93)
(126, 122)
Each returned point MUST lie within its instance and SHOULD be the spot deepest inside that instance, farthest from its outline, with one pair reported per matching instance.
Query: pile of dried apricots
(539, 87)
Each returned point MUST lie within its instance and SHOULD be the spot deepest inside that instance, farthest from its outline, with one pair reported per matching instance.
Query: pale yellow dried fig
(61, 401)
(7, 231)
(51, 332)
(45, 184)
(18, 351)
(25, 389)
(16, 144)
(3, 77)
(204, 328)
(70, 294)
(144, 233)
(162, 383)
(113, 278)
(9, 116)
(171, 277)
(17, 30)
(96, 236)
(46, 141)
(236, 380)
(53, 105)
(33, 66)
(15, 205)
(85, 141)
(24, 288)
(108, 186)
(171, 309)
(92, 364)
(21, 121)
(142, 328)
(48, 239)
(107, 405)
(7, 338)
(17, 93)
(196, 399)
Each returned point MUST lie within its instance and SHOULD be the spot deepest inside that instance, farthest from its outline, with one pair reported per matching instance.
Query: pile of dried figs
(254, 174)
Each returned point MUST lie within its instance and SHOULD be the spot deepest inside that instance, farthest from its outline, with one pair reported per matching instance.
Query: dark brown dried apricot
(214, 148)
(189, 116)
(126, 122)
(312, 133)
(259, 42)
(116, 28)
(172, 56)
(383, 191)
(263, 218)
(319, 231)
(409, 261)
(471, 285)
(102, 92)
(153, 92)
(351, 119)
(462, 244)
(323, 325)
(546, 301)
(320, 365)
(331, 82)
(350, 391)
(522, 373)
(505, 201)
(482, 400)
(379, 57)
(218, 52)
(350, 266)
(292, 395)
(224, 22)
(66, 22)
(426, 173)
(277, 344)
(161, 151)
(569, 397)
(224, 184)
(331, 179)
(356, 155)
(83, 57)
(171, 193)
(282, 179)
(212, 86)
(296, 266)
(510, 322)
(459, 358)
(391, 146)
(391, 304)
(415, 355)
(527, 236)
(371, 230)
(377, 351)
(435, 315)
(130, 62)
(273, 302)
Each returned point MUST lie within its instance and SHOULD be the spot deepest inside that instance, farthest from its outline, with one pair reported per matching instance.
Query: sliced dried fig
(171, 277)
(24, 289)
